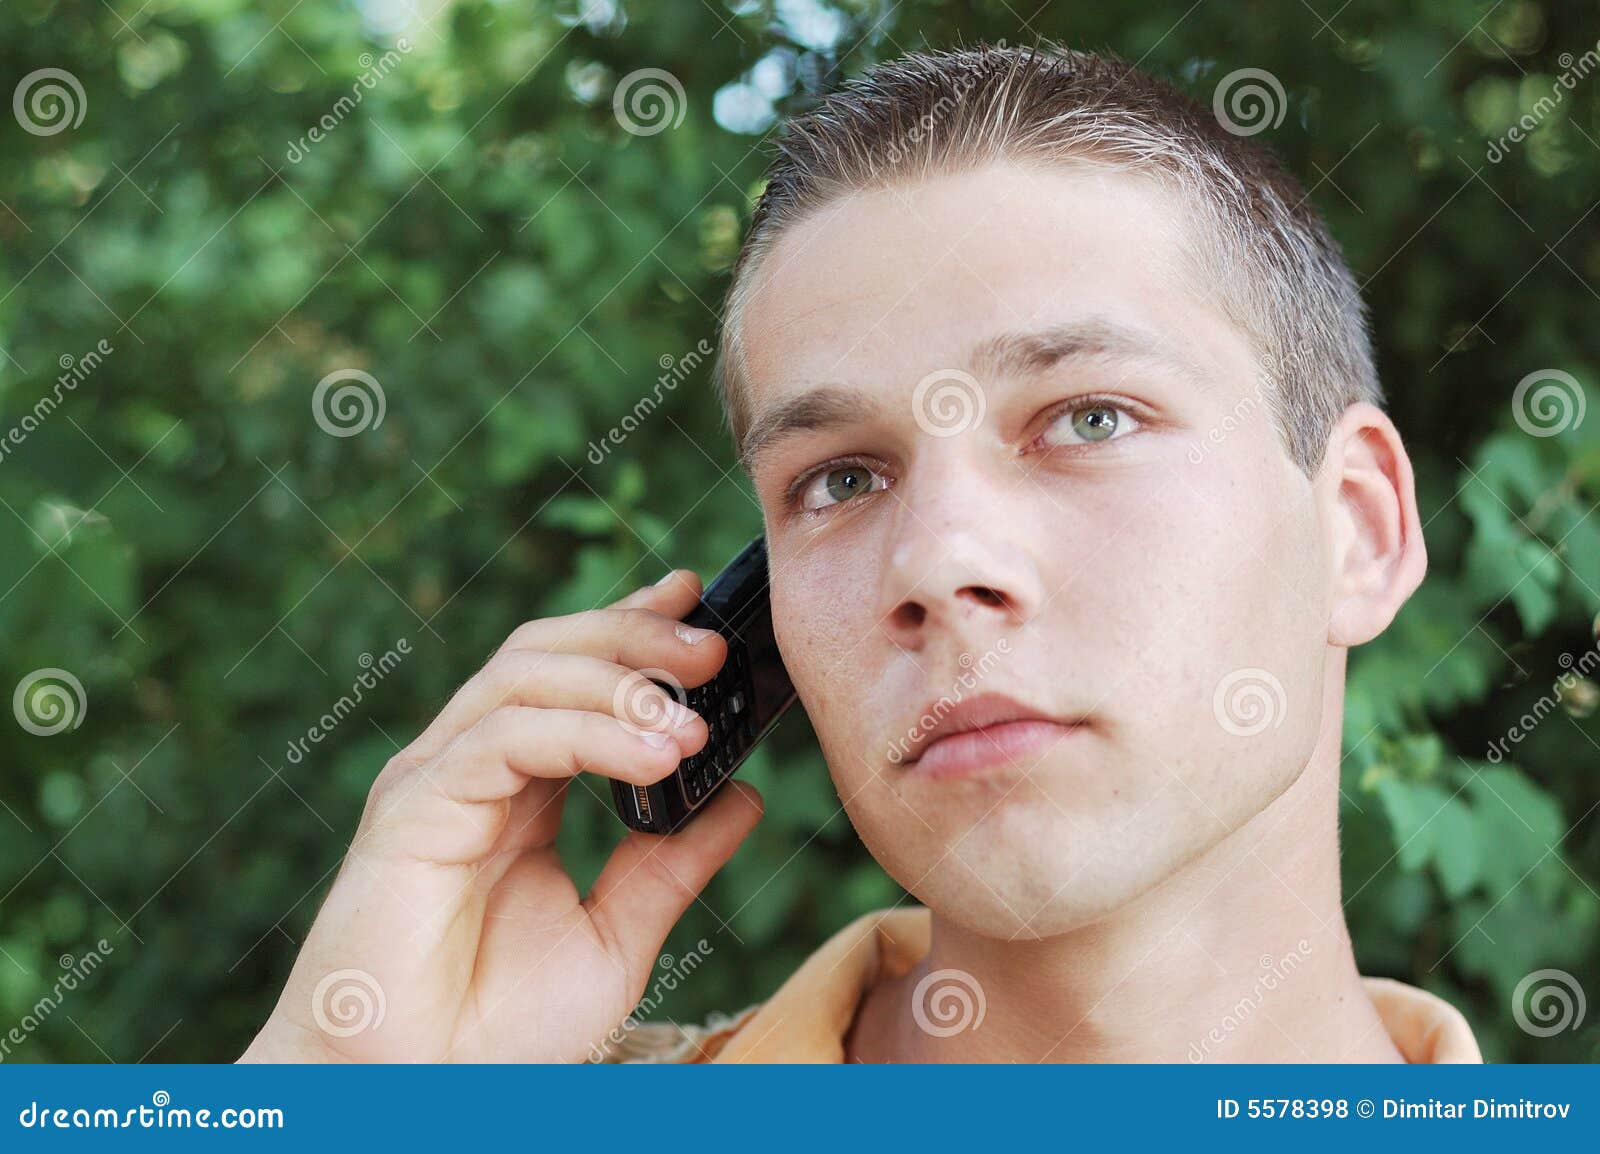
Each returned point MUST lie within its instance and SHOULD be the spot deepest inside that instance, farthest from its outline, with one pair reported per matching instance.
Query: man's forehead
(911, 239)
(889, 279)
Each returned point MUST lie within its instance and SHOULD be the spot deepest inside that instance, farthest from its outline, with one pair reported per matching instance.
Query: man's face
(1116, 549)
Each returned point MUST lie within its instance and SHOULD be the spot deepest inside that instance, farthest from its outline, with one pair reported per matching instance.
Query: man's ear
(1376, 555)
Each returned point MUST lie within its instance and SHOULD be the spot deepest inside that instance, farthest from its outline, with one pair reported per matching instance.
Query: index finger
(674, 595)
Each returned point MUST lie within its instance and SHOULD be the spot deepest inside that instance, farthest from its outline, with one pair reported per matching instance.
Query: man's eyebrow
(1024, 354)
(825, 407)
(1016, 355)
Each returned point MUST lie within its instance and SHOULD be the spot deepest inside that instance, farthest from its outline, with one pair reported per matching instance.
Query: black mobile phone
(740, 704)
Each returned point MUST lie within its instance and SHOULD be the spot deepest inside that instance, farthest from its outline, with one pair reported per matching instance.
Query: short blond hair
(1277, 270)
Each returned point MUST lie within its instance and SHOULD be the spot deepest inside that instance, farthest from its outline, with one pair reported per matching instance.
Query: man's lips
(980, 734)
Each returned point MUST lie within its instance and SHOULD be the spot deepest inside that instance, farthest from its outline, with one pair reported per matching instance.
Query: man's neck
(1243, 956)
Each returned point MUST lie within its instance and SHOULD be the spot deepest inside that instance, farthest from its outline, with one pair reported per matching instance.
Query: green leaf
(1412, 808)
(1457, 848)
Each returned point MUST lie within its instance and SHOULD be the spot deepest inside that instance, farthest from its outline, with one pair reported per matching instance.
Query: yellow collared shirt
(810, 1016)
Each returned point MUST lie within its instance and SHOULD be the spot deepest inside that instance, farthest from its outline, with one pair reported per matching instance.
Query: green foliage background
(482, 236)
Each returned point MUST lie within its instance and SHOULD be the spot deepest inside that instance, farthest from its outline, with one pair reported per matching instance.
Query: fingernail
(689, 635)
(667, 578)
(656, 738)
(681, 713)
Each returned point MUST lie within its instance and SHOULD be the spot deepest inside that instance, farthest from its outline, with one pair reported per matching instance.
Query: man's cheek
(828, 664)
(1188, 618)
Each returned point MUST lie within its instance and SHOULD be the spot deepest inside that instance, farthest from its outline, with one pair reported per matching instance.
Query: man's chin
(1018, 917)
(1053, 847)
(1017, 883)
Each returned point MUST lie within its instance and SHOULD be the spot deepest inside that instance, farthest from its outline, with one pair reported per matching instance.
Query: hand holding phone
(455, 906)
(740, 705)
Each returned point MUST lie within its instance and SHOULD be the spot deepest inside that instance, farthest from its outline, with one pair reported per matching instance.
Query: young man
(1060, 407)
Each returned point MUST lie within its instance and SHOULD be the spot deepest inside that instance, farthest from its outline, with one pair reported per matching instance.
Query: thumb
(650, 880)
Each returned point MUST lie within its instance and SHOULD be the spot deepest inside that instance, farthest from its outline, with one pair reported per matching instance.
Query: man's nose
(956, 561)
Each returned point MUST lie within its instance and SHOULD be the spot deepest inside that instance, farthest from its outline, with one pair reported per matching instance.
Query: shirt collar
(809, 1017)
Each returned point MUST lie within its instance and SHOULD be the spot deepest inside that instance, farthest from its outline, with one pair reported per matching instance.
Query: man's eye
(1089, 424)
(837, 485)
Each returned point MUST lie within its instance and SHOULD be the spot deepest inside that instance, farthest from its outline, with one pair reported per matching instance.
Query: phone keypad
(724, 703)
